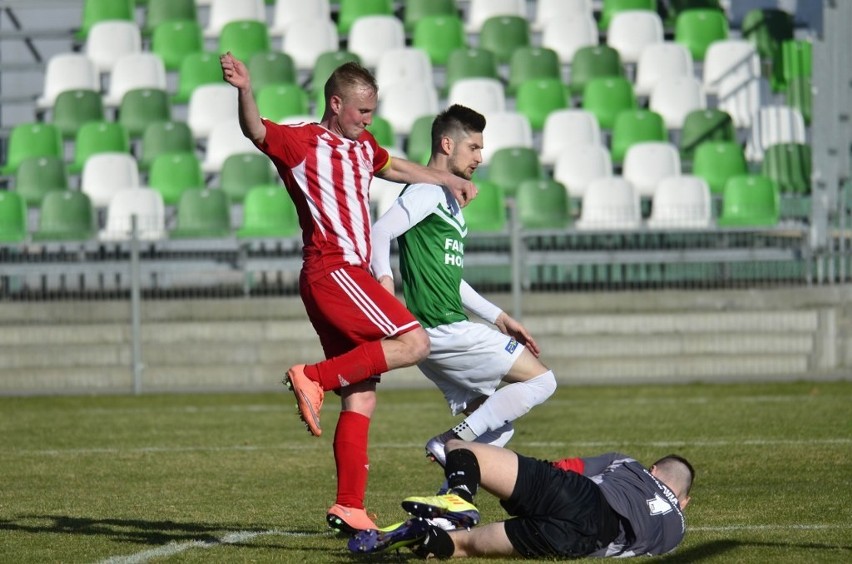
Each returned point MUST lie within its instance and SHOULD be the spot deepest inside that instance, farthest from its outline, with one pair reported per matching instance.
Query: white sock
(508, 403)
(497, 437)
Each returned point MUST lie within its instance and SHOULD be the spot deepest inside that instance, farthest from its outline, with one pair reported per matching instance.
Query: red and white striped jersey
(328, 177)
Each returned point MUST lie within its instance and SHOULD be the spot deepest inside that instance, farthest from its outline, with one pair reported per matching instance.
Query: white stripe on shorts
(367, 306)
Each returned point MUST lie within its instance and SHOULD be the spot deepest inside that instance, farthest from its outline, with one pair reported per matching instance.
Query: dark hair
(347, 76)
(455, 121)
(669, 461)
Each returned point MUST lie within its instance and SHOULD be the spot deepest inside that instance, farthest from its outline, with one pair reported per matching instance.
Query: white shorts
(468, 360)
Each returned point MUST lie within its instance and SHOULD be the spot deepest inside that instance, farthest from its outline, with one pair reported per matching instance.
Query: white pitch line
(173, 548)
(729, 528)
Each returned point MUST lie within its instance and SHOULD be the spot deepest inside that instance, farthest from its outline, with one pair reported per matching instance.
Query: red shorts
(349, 307)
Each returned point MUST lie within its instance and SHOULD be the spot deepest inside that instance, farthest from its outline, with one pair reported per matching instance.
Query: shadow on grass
(716, 548)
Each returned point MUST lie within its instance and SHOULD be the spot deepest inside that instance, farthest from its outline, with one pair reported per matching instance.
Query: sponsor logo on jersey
(454, 252)
(658, 506)
(511, 346)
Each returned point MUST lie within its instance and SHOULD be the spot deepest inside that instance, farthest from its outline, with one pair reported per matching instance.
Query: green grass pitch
(236, 478)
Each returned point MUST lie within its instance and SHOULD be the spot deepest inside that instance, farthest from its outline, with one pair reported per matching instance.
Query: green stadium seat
(172, 174)
(243, 171)
(73, 108)
(502, 35)
(470, 62)
(510, 166)
(676, 7)
(174, 40)
(419, 145)
(95, 11)
(717, 161)
(351, 10)
(382, 130)
(797, 55)
(701, 126)
(197, 69)
(36, 176)
(268, 211)
(31, 140)
(749, 201)
(244, 38)
(165, 137)
(271, 67)
(606, 97)
(416, 10)
(635, 126)
(141, 107)
(439, 36)
(13, 217)
(486, 212)
(531, 62)
(767, 28)
(538, 97)
(278, 101)
(160, 11)
(697, 29)
(799, 93)
(612, 7)
(202, 213)
(65, 216)
(543, 203)
(593, 61)
(98, 137)
(789, 165)
(325, 65)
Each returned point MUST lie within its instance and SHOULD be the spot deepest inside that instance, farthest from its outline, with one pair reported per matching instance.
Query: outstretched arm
(236, 74)
(409, 172)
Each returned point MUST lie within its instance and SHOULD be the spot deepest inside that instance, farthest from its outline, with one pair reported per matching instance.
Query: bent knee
(419, 345)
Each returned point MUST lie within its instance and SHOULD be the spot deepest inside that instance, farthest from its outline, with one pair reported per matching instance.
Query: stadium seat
(146, 204)
(416, 10)
(209, 105)
(106, 173)
(543, 203)
(439, 36)
(419, 142)
(697, 29)
(67, 71)
(325, 64)
(110, 40)
(675, 97)
(36, 176)
(470, 62)
(173, 173)
(226, 139)
(13, 217)
(139, 70)
(613, 7)
(95, 11)
(174, 40)
(658, 61)
(610, 204)
(567, 34)
(635, 126)
(502, 35)
(480, 11)
(308, 39)
(197, 69)
(773, 125)
(98, 137)
(244, 39)
(789, 165)
(728, 58)
(403, 102)
(606, 97)
(268, 211)
(510, 166)
(538, 98)
(383, 131)
(73, 108)
(65, 216)
(630, 31)
(160, 11)
(549, 10)
(278, 101)
(647, 163)
(505, 129)
(580, 165)
(223, 12)
(271, 67)
(484, 95)
(564, 128)
(799, 95)
(741, 97)
(717, 161)
(383, 194)
(352, 10)
(31, 140)
(768, 28)
(243, 171)
(749, 201)
(593, 62)
(681, 202)
(288, 11)
(797, 59)
(531, 62)
(487, 212)
(371, 36)
(202, 213)
(164, 137)
(403, 63)
(701, 126)
(141, 107)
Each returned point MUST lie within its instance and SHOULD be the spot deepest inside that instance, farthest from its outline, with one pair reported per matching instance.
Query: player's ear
(334, 103)
(684, 501)
(447, 145)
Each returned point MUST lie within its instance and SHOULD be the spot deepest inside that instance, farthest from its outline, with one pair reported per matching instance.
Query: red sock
(362, 362)
(350, 456)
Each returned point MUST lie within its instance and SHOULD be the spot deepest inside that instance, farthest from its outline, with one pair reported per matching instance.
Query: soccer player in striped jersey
(327, 168)
(467, 360)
